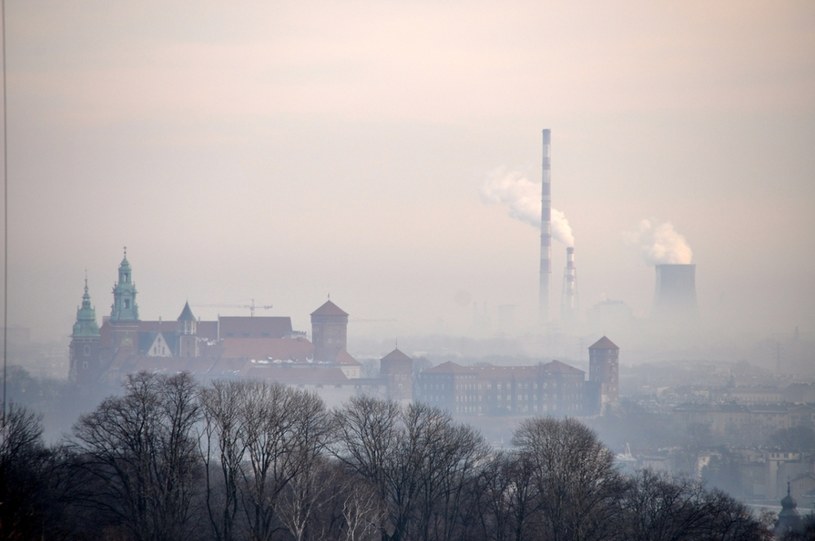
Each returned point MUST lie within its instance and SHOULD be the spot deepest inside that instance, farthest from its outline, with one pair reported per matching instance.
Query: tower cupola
(85, 325)
(124, 294)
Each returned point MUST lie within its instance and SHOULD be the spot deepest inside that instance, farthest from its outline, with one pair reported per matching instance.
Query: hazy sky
(283, 151)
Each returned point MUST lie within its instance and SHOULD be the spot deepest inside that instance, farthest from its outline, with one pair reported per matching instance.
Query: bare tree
(447, 457)
(418, 460)
(368, 441)
(574, 475)
(22, 486)
(362, 511)
(505, 497)
(311, 479)
(141, 449)
(284, 432)
(222, 433)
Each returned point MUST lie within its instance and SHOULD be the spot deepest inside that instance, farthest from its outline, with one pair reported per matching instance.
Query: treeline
(170, 460)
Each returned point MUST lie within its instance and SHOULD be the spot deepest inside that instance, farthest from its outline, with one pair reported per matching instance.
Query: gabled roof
(329, 309)
(604, 343)
(449, 367)
(561, 368)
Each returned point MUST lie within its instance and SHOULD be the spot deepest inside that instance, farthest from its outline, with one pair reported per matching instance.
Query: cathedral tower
(124, 314)
(85, 341)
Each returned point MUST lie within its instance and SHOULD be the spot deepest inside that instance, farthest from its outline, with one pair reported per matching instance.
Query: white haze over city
(386, 154)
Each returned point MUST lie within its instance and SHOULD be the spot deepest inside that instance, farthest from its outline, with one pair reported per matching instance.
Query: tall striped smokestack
(546, 227)
(568, 298)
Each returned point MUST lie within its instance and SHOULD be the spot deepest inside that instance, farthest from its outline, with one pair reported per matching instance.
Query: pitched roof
(345, 359)
(329, 309)
(396, 356)
(449, 367)
(254, 327)
(186, 313)
(604, 343)
(283, 349)
(561, 368)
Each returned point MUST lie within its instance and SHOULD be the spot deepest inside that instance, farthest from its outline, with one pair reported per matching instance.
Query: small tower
(604, 371)
(396, 369)
(187, 333)
(329, 332)
(85, 339)
(789, 521)
(124, 314)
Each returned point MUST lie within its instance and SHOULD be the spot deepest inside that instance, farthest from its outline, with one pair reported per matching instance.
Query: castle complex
(228, 347)
(267, 348)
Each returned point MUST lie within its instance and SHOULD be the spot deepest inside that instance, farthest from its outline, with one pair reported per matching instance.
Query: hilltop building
(269, 349)
(229, 347)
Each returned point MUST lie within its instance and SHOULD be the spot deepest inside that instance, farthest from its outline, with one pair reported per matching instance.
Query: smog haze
(287, 151)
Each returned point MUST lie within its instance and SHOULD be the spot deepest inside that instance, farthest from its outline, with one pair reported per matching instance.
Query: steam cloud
(522, 199)
(661, 244)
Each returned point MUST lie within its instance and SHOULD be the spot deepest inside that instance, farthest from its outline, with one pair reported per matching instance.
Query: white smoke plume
(522, 199)
(660, 243)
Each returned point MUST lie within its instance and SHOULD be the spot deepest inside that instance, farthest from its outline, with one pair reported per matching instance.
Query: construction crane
(251, 306)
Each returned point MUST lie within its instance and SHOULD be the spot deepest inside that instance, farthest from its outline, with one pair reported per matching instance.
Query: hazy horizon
(288, 152)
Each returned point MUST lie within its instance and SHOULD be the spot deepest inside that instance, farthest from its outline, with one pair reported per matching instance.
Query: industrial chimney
(675, 296)
(568, 297)
(546, 229)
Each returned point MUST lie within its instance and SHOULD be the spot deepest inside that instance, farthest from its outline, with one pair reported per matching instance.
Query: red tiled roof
(158, 326)
(254, 327)
(329, 309)
(603, 343)
(295, 349)
(208, 330)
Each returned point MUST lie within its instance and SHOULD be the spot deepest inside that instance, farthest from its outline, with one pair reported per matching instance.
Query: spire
(85, 325)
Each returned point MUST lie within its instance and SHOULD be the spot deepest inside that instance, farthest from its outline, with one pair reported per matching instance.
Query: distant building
(230, 347)
(396, 371)
(552, 388)
(604, 372)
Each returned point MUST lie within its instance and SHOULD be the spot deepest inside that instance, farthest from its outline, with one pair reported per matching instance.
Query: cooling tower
(675, 296)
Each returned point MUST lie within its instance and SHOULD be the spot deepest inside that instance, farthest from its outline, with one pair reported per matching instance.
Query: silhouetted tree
(23, 464)
(141, 449)
(284, 432)
(223, 447)
(574, 475)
